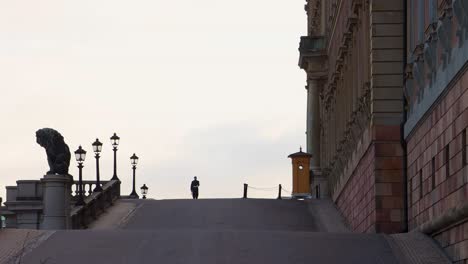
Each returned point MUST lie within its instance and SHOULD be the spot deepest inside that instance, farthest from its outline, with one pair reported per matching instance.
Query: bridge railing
(95, 204)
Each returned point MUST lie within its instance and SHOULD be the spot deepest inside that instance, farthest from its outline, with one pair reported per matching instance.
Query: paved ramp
(219, 231)
(224, 214)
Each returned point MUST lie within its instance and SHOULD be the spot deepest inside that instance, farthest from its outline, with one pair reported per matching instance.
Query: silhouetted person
(194, 187)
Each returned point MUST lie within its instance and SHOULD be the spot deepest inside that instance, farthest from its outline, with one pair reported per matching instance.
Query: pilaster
(387, 30)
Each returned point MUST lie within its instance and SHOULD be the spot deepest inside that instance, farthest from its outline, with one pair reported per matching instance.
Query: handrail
(95, 204)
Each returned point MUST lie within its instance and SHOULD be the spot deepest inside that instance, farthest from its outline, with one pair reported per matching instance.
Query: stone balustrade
(95, 204)
(25, 203)
(88, 187)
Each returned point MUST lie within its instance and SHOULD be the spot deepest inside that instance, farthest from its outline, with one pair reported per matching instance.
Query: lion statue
(58, 153)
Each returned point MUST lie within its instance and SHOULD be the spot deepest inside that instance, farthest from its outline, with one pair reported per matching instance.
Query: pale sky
(208, 88)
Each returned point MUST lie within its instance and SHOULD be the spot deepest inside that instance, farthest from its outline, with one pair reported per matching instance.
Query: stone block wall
(454, 241)
(437, 166)
(388, 175)
(372, 198)
(357, 199)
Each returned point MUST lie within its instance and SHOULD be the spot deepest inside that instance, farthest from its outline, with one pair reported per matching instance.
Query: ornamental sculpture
(460, 9)
(58, 153)
(444, 32)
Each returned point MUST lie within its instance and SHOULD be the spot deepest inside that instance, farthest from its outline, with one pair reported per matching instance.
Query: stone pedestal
(57, 190)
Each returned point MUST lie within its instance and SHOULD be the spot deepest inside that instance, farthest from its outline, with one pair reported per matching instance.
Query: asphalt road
(215, 232)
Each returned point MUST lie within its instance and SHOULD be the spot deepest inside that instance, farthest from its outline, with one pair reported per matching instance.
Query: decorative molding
(314, 14)
(355, 127)
(343, 50)
(460, 9)
(430, 52)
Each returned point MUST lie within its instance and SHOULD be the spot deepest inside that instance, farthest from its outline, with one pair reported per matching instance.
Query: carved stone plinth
(57, 189)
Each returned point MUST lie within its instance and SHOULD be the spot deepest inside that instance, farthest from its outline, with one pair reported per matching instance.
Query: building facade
(387, 114)
(353, 60)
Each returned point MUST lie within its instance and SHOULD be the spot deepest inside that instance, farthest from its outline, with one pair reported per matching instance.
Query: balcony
(311, 47)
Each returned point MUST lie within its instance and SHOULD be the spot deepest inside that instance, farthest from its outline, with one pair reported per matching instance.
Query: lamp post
(144, 191)
(97, 148)
(134, 160)
(115, 143)
(80, 155)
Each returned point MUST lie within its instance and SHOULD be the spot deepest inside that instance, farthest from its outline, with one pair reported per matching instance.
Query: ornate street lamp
(97, 148)
(80, 155)
(144, 191)
(134, 160)
(115, 143)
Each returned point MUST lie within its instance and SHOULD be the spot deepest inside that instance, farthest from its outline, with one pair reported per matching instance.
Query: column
(319, 184)
(313, 124)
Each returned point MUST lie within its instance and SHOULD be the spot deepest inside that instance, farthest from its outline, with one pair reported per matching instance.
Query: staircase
(231, 231)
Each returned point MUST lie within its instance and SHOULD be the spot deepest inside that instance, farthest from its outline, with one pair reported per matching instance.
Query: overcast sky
(207, 87)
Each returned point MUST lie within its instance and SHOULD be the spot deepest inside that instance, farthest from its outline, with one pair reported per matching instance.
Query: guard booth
(301, 175)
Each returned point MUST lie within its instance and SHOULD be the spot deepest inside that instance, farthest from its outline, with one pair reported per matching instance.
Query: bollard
(279, 192)
(317, 191)
(245, 190)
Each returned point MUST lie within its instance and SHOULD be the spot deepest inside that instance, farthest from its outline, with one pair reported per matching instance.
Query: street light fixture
(144, 191)
(97, 148)
(115, 143)
(134, 160)
(80, 155)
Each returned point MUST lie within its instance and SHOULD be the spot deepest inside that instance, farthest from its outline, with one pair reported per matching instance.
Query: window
(433, 173)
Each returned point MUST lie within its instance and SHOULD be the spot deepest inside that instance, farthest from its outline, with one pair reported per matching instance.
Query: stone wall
(357, 200)
(371, 199)
(437, 170)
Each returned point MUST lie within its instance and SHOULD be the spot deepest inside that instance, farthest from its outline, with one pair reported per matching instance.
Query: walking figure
(194, 187)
